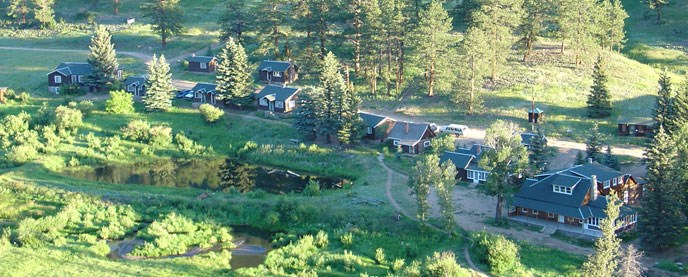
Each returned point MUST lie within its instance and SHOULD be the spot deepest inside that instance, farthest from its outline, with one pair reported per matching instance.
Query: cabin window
(426, 143)
(292, 104)
(396, 143)
(615, 182)
(524, 210)
(562, 189)
(204, 65)
(593, 221)
(277, 74)
(481, 175)
(198, 94)
(550, 215)
(78, 78)
(263, 102)
(471, 174)
(606, 184)
(370, 130)
(279, 104)
(535, 212)
(58, 79)
(74, 78)
(119, 74)
(625, 199)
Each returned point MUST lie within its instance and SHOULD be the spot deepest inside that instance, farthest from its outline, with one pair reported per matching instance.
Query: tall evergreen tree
(680, 107)
(103, 58)
(473, 66)
(444, 187)
(680, 138)
(498, 20)
(19, 9)
(579, 158)
(657, 6)
(238, 175)
(424, 174)
(594, 143)
(234, 75)
(159, 92)
(664, 107)
(599, 100)
(661, 218)
(611, 28)
(610, 160)
(371, 42)
(272, 15)
(629, 264)
(607, 247)
(307, 113)
(538, 153)
(167, 17)
(44, 13)
(351, 125)
(330, 104)
(433, 53)
(536, 15)
(234, 21)
(506, 157)
(576, 25)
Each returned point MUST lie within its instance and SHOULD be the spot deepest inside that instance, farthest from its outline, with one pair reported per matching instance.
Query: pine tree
(576, 25)
(234, 75)
(237, 175)
(159, 92)
(657, 6)
(664, 107)
(352, 127)
(473, 65)
(306, 114)
(680, 107)
(330, 104)
(607, 247)
(538, 152)
(19, 9)
(610, 160)
(424, 174)
(506, 157)
(269, 35)
(235, 20)
(167, 17)
(629, 264)
(103, 58)
(680, 171)
(593, 144)
(599, 99)
(44, 13)
(661, 218)
(579, 158)
(611, 28)
(433, 53)
(536, 14)
(444, 188)
(498, 20)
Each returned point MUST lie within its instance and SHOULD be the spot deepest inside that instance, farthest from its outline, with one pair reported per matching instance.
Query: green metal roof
(274, 66)
(372, 120)
(74, 68)
(200, 59)
(537, 110)
(204, 87)
(459, 160)
(280, 93)
(635, 120)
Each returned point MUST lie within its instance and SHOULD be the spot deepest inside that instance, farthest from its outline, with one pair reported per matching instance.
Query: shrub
(68, 119)
(86, 107)
(23, 97)
(94, 143)
(50, 139)
(211, 113)
(188, 146)
(321, 239)
(160, 136)
(312, 188)
(380, 256)
(73, 162)
(120, 102)
(88, 238)
(21, 154)
(397, 265)
(45, 115)
(71, 89)
(112, 147)
(347, 240)
(137, 130)
(444, 264)
(499, 253)
(100, 248)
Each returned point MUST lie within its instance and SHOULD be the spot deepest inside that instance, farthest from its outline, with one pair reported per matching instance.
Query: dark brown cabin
(277, 99)
(411, 138)
(202, 64)
(634, 126)
(278, 72)
(536, 116)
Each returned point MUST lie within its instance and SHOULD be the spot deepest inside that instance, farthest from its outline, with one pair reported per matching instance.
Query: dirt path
(390, 197)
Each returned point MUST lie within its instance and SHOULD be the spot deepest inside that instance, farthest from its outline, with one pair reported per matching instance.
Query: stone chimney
(193, 54)
(589, 160)
(593, 187)
(406, 128)
(478, 149)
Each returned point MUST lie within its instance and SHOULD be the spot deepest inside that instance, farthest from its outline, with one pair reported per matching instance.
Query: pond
(212, 174)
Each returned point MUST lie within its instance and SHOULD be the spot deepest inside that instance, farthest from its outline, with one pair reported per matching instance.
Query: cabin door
(560, 219)
(272, 106)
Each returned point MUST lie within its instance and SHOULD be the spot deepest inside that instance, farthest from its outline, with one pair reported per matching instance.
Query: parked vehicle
(182, 93)
(189, 95)
(455, 129)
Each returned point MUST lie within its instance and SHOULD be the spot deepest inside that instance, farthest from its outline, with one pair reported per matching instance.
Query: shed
(536, 115)
(202, 63)
(634, 126)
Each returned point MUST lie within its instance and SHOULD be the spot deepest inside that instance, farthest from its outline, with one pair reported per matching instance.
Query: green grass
(544, 261)
(671, 267)
(572, 240)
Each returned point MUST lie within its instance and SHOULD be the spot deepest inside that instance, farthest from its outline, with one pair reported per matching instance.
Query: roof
(279, 93)
(200, 59)
(537, 110)
(526, 137)
(635, 120)
(274, 65)
(476, 151)
(372, 120)
(539, 195)
(73, 68)
(459, 160)
(408, 133)
(204, 87)
(135, 80)
(586, 171)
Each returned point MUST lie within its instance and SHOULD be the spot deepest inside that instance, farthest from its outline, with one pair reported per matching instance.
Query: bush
(444, 264)
(397, 265)
(120, 102)
(23, 97)
(72, 89)
(112, 147)
(499, 253)
(347, 240)
(321, 239)
(50, 139)
(160, 136)
(313, 188)
(21, 154)
(380, 256)
(137, 130)
(94, 143)
(100, 248)
(188, 146)
(86, 107)
(68, 119)
(211, 113)
(88, 238)
(45, 115)
(73, 162)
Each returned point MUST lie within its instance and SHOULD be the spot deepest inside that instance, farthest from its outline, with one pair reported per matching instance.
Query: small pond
(205, 174)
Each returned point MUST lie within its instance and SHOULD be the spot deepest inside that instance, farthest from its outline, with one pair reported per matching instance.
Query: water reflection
(213, 174)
